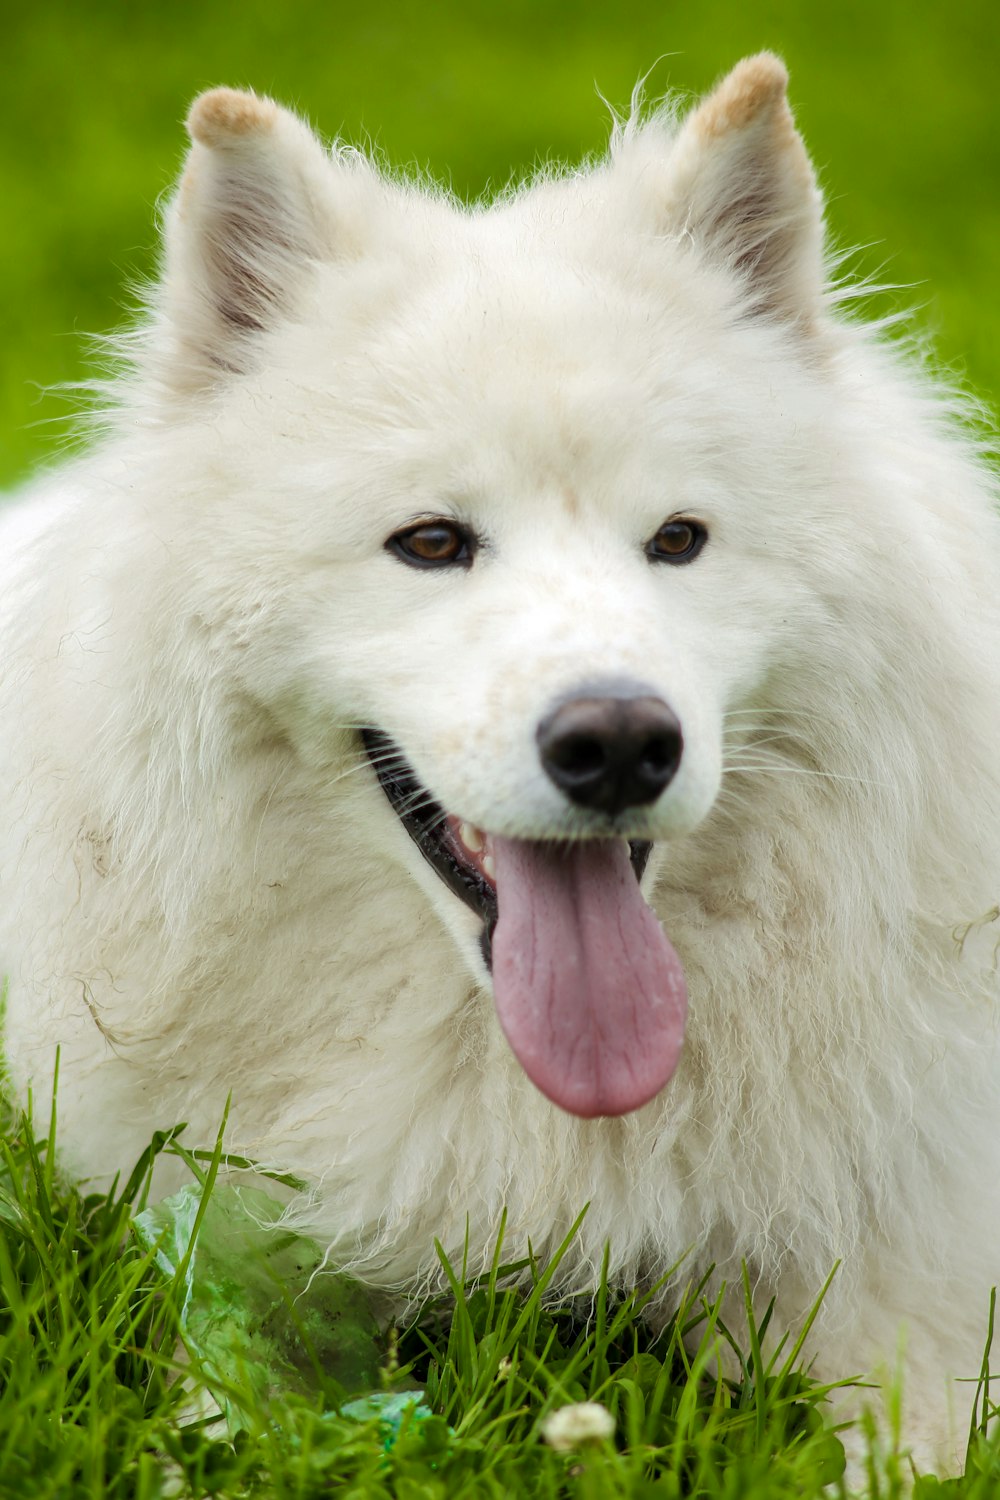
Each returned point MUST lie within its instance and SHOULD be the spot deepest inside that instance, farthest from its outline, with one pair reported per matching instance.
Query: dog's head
(511, 493)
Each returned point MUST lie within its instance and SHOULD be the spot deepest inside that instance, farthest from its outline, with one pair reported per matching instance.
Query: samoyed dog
(514, 698)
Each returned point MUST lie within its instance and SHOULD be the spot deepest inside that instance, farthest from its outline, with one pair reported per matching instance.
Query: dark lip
(425, 822)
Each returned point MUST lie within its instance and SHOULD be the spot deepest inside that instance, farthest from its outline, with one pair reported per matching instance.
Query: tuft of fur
(225, 118)
(202, 886)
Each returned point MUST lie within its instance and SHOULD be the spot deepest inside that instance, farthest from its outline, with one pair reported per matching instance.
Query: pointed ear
(254, 210)
(741, 185)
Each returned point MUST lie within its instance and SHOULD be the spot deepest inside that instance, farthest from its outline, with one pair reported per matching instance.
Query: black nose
(609, 752)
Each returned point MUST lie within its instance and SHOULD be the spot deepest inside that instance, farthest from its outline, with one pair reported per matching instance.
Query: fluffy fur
(203, 886)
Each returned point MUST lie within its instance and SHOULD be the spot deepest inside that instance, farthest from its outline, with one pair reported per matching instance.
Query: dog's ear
(258, 204)
(741, 184)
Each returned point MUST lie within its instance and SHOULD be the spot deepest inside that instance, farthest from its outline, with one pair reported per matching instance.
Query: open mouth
(461, 854)
(587, 987)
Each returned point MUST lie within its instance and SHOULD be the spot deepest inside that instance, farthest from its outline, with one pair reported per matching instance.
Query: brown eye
(433, 544)
(677, 542)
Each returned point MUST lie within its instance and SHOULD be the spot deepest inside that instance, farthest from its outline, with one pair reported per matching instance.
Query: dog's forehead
(525, 325)
(504, 352)
(534, 287)
(547, 273)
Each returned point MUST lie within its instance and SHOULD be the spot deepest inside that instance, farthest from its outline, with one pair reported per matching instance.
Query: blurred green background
(897, 99)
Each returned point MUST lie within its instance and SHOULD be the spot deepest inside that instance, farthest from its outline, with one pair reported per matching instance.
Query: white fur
(204, 888)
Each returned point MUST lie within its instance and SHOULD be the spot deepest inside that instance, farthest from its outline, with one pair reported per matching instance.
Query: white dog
(449, 585)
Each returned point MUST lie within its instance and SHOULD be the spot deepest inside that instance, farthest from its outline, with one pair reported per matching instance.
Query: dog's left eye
(677, 541)
(433, 544)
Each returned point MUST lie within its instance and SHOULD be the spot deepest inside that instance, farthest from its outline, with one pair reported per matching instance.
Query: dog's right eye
(433, 544)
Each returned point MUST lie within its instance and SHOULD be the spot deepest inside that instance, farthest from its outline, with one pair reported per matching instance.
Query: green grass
(90, 1404)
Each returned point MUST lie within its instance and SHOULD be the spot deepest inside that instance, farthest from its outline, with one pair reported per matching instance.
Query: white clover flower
(572, 1426)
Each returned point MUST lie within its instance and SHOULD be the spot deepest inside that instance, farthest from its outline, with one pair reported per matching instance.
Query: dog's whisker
(417, 802)
(361, 764)
(760, 713)
(765, 769)
(755, 740)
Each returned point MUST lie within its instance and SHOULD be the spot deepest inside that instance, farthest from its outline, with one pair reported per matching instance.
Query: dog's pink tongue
(589, 992)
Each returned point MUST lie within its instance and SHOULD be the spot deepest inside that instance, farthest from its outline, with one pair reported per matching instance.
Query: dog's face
(516, 472)
(534, 533)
